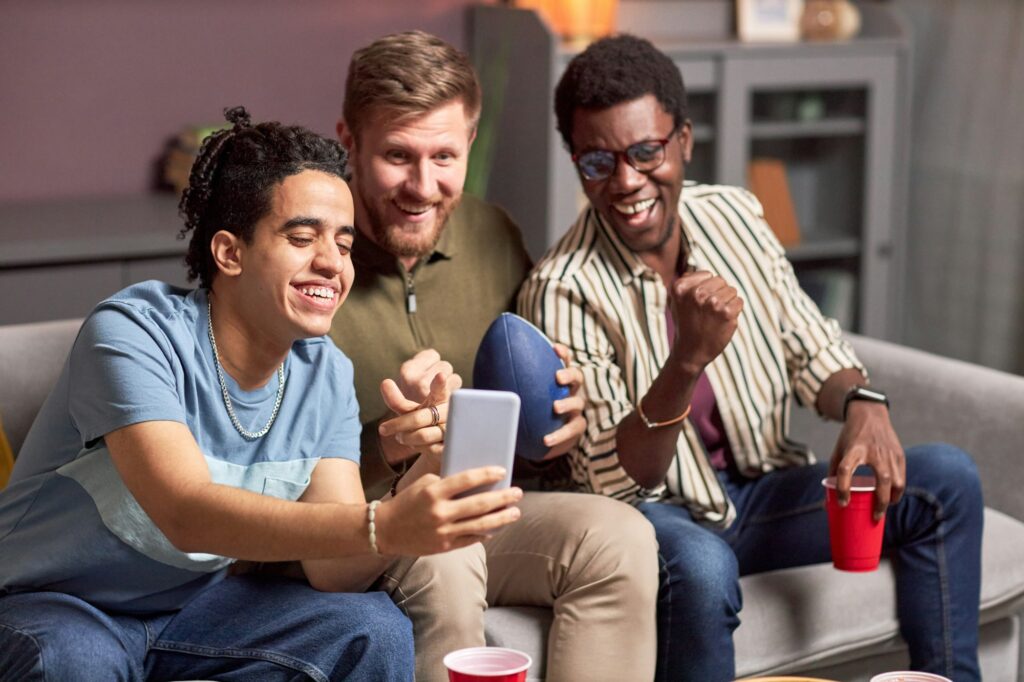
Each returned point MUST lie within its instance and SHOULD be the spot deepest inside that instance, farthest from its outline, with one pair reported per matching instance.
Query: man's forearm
(198, 515)
(349, 574)
(646, 453)
(228, 521)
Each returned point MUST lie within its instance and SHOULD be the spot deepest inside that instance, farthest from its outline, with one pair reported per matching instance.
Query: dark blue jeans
(933, 536)
(243, 628)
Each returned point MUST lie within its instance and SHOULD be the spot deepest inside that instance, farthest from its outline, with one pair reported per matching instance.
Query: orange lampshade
(576, 20)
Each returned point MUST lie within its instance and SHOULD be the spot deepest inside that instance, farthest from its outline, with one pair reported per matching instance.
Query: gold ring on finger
(435, 416)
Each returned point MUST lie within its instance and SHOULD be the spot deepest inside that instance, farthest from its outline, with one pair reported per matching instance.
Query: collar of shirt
(627, 262)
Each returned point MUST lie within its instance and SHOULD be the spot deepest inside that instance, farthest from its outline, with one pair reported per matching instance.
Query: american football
(516, 356)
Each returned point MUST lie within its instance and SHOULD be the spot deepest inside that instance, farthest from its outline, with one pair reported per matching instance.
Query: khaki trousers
(591, 559)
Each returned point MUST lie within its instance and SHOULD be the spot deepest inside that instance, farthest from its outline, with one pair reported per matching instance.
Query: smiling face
(643, 208)
(297, 269)
(407, 176)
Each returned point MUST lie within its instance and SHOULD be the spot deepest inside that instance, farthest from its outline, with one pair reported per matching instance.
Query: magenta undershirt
(704, 414)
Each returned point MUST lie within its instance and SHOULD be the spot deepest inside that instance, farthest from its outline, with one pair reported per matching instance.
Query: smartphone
(481, 431)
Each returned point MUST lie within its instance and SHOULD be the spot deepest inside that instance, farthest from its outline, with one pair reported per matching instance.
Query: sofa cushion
(785, 626)
(521, 627)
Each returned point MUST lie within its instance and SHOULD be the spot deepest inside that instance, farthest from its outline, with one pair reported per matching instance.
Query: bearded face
(408, 174)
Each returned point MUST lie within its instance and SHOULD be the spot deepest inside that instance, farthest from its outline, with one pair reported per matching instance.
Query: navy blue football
(516, 356)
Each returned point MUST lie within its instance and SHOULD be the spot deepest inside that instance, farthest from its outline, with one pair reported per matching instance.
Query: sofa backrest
(31, 359)
(940, 399)
(934, 398)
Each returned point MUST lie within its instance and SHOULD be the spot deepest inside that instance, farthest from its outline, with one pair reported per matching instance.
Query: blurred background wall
(90, 90)
(965, 234)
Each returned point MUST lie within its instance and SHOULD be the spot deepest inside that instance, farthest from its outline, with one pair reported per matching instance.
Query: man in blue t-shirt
(189, 429)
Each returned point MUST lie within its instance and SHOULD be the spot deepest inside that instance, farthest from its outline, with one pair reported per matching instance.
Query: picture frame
(776, 21)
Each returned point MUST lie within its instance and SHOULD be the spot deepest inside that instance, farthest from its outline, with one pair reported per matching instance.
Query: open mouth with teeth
(413, 209)
(318, 293)
(634, 208)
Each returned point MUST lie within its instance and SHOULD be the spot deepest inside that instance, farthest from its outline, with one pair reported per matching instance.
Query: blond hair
(408, 74)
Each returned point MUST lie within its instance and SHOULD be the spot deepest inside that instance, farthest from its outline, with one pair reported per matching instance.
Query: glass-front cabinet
(816, 130)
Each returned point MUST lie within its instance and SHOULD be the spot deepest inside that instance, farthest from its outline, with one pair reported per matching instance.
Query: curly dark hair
(231, 180)
(615, 70)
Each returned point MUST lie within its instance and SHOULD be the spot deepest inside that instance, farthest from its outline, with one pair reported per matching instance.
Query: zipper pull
(410, 294)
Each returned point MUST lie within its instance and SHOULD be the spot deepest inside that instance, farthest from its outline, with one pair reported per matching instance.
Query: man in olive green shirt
(445, 301)
(433, 269)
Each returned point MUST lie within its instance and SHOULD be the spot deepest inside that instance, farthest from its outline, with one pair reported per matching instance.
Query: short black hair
(618, 69)
(230, 185)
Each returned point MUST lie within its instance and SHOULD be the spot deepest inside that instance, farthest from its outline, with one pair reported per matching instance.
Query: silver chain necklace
(248, 435)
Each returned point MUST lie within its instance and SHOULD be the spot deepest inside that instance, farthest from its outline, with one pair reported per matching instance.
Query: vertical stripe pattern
(594, 295)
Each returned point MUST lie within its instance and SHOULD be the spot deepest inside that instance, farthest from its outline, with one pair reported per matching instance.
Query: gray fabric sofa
(812, 620)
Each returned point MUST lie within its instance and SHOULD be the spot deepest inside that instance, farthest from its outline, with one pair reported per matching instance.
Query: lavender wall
(91, 89)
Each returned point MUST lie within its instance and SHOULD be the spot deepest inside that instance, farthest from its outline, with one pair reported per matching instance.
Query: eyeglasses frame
(624, 155)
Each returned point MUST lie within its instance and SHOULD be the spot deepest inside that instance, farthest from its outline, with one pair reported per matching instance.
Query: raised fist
(706, 310)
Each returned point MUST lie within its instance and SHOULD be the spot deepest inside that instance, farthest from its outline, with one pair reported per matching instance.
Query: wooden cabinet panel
(55, 292)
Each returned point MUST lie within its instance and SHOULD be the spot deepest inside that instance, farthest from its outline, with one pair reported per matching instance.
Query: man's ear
(686, 140)
(344, 135)
(227, 253)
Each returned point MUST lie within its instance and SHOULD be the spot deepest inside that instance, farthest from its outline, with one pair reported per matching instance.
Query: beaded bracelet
(655, 425)
(371, 513)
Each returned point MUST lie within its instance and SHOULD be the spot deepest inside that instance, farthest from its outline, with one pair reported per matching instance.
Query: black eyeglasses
(599, 164)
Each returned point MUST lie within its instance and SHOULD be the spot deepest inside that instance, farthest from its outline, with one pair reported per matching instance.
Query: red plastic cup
(856, 536)
(909, 676)
(487, 664)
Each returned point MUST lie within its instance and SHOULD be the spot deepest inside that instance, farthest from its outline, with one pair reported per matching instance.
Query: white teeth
(633, 209)
(413, 208)
(319, 292)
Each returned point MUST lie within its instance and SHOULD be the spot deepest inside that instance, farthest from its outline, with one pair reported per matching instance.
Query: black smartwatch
(864, 393)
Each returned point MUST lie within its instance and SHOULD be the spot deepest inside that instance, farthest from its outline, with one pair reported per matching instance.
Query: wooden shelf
(88, 230)
(824, 249)
(829, 127)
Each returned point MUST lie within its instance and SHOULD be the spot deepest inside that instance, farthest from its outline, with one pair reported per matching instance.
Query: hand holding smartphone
(481, 431)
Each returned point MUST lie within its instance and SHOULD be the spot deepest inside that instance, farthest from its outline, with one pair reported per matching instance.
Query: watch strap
(863, 393)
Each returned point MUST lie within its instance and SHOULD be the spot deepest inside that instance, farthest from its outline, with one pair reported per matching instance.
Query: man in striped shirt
(677, 301)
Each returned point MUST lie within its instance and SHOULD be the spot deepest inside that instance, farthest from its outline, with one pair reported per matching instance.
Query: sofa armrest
(939, 399)
(31, 359)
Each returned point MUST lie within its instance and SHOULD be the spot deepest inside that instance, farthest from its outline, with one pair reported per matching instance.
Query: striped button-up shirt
(591, 293)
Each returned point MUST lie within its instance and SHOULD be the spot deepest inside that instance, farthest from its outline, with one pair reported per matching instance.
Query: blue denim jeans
(933, 535)
(243, 628)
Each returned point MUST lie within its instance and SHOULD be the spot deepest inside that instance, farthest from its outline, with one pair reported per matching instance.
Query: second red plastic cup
(487, 664)
(856, 536)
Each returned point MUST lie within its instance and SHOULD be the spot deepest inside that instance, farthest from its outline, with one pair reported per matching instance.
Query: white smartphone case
(481, 431)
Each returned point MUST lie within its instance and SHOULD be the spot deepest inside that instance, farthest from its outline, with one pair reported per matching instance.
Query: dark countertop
(89, 230)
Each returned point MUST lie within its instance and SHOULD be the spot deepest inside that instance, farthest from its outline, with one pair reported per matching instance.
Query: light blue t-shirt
(67, 521)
